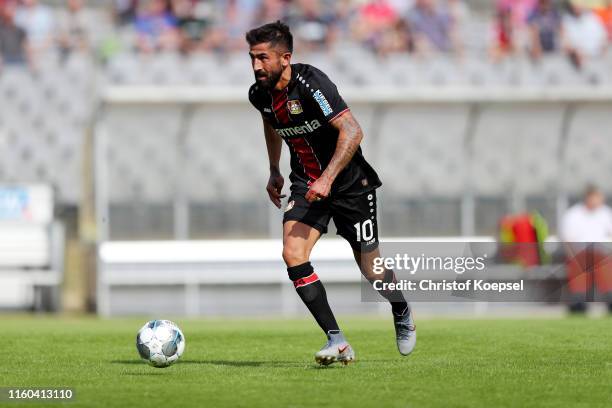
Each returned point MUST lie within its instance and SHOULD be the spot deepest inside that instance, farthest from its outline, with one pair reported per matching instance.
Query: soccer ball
(160, 343)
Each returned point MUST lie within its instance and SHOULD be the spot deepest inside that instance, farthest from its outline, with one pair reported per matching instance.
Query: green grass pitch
(269, 363)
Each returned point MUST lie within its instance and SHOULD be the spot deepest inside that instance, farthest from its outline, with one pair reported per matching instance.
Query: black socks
(311, 291)
(399, 306)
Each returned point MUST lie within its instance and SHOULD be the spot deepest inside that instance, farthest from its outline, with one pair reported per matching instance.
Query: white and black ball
(160, 343)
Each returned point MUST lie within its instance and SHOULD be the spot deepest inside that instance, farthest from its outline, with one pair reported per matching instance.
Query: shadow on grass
(225, 363)
(144, 374)
(135, 362)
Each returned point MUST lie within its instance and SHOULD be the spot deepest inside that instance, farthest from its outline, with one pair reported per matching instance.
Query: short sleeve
(325, 96)
(254, 97)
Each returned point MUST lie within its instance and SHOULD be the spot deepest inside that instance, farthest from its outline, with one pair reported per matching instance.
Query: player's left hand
(319, 190)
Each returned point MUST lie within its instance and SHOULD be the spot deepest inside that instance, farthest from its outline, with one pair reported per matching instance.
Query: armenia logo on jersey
(294, 106)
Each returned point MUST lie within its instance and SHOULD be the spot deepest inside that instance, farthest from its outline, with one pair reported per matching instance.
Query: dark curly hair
(276, 33)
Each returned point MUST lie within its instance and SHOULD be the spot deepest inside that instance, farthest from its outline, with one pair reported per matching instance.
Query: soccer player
(330, 178)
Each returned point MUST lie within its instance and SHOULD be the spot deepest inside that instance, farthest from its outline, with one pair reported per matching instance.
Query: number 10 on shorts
(365, 230)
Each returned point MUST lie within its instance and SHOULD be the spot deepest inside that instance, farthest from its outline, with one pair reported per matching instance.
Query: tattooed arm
(348, 142)
(349, 137)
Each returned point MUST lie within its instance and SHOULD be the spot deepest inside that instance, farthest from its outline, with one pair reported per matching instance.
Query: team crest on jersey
(294, 106)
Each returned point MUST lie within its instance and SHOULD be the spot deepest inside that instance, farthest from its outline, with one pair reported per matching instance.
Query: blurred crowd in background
(421, 28)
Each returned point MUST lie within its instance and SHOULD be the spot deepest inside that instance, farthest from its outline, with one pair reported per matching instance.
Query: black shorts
(354, 217)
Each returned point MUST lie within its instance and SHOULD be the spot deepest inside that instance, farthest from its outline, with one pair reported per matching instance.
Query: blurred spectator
(588, 222)
(375, 24)
(401, 7)
(270, 10)
(346, 14)
(192, 25)
(431, 26)
(545, 29)
(125, 11)
(156, 27)
(312, 27)
(233, 19)
(605, 14)
(584, 35)
(382, 26)
(74, 24)
(398, 39)
(519, 10)
(38, 22)
(503, 43)
(460, 15)
(13, 39)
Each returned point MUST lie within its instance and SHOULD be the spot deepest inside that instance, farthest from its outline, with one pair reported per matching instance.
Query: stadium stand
(459, 138)
(31, 248)
(585, 159)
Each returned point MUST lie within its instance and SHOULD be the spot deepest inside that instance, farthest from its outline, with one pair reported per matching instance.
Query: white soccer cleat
(405, 333)
(337, 349)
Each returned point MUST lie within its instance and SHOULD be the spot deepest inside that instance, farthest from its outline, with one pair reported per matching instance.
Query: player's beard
(270, 80)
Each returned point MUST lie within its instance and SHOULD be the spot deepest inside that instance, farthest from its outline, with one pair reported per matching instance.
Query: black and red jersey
(302, 114)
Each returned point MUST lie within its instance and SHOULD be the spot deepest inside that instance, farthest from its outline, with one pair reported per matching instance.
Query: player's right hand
(274, 188)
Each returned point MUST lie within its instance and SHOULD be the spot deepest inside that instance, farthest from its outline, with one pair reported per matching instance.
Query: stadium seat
(586, 159)
(417, 155)
(31, 249)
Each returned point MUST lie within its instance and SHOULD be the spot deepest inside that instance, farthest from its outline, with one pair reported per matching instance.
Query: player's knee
(303, 278)
(293, 255)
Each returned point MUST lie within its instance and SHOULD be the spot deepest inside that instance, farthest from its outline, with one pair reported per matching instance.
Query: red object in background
(504, 28)
(605, 14)
(380, 13)
(504, 40)
(523, 229)
(519, 240)
(588, 267)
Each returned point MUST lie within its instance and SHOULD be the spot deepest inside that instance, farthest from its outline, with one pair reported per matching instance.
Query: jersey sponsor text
(307, 127)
